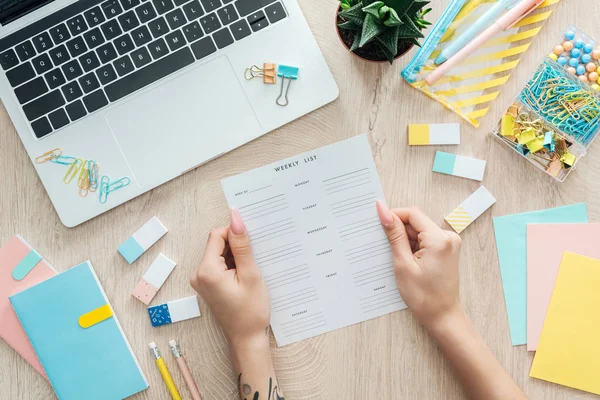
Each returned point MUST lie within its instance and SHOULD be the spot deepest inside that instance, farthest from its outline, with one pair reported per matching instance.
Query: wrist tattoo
(246, 391)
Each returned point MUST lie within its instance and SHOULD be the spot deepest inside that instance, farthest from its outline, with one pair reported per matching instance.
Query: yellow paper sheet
(569, 349)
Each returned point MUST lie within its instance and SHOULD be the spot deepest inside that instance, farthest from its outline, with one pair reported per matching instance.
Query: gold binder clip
(267, 72)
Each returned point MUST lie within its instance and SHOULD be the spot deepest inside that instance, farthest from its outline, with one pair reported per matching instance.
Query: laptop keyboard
(95, 52)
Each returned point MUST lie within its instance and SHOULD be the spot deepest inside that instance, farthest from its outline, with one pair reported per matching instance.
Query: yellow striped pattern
(459, 219)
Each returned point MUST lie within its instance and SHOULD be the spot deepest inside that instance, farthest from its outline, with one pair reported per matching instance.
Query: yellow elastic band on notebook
(93, 317)
(476, 100)
(473, 88)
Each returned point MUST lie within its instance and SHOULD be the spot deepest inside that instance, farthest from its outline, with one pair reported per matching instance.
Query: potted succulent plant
(380, 30)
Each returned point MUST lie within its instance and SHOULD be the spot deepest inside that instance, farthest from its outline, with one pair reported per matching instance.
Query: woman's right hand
(425, 263)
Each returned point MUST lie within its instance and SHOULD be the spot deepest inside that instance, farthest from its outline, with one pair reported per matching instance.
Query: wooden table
(390, 357)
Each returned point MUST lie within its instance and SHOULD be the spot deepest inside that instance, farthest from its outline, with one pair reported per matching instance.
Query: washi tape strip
(464, 167)
(433, 134)
(470, 209)
(26, 265)
(174, 311)
(142, 240)
(153, 279)
(96, 316)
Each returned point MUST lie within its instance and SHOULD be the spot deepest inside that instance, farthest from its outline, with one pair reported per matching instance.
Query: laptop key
(129, 4)
(175, 40)
(240, 29)
(8, 59)
(89, 61)
(93, 38)
(275, 12)
(111, 29)
(141, 36)
(95, 101)
(246, 7)
(124, 44)
(203, 48)
(227, 1)
(42, 42)
(76, 46)
(123, 65)
(107, 53)
(94, 16)
(71, 91)
(43, 105)
(59, 55)
(55, 78)
(111, 8)
(77, 25)
(41, 127)
(58, 118)
(141, 57)
(72, 70)
(25, 51)
(60, 34)
(180, 2)
(163, 6)
(223, 38)
(149, 74)
(158, 27)
(228, 14)
(106, 74)
(129, 21)
(259, 23)
(145, 12)
(20, 74)
(158, 48)
(175, 19)
(89, 82)
(42, 63)
(76, 110)
(193, 10)
(211, 5)
(193, 31)
(210, 23)
(31, 90)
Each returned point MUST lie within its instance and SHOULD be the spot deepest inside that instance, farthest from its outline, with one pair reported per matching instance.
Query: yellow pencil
(164, 371)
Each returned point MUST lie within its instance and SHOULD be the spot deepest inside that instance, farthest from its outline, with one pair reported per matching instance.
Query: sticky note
(153, 279)
(464, 167)
(433, 134)
(470, 209)
(95, 316)
(569, 348)
(511, 241)
(546, 244)
(142, 240)
(174, 311)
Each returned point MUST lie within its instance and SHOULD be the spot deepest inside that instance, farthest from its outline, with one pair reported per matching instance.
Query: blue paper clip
(104, 182)
(93, 170)
(286, 73)
(63, 160)
(107, 187)
(116, 185)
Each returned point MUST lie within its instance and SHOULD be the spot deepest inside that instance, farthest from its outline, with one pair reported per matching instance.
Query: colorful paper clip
(103, 196)
(49, 156)
(63, 160)
(107, 187)
(286, 73)
(93, 170)
(73, 170)
(267, 73)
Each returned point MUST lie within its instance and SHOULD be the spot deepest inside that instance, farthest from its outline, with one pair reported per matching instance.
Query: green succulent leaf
(354, 14)
(393, 19)
(388, 54)
(389, 39)
(349, 25)
(373, 9)
(344, 5)
(371, 29)
(365, 3)
(357, 38)
(409, 28)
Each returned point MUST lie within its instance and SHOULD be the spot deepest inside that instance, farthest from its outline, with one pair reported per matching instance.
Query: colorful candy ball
(596, 54)
(579, 44)
(575, 53)
(562, 61)
(591, 67)
(586, 58)
(567, 45)
(570, 35)
(596, 87)
(558, 50)
(593, 76)
(580, 70)
(573, 62)
(583, 78)
(588, 48)
(572, 70)
(553, 56)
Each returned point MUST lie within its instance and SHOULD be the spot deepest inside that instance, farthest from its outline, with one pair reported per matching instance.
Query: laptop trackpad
(183, 122)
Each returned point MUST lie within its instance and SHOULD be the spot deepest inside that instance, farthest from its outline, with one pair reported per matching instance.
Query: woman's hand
(425, 263)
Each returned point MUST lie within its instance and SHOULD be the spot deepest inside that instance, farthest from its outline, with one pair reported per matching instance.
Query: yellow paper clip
(49, 155)
(93, 171)
(267, 73)
(73, 170)
(83, 181)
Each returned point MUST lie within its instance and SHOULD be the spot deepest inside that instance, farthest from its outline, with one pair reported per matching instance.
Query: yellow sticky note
(569, 349)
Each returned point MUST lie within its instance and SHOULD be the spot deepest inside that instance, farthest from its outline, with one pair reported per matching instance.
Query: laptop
(149, 89)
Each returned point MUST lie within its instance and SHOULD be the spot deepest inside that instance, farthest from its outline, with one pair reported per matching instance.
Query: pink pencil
(185, 371)
(514, 15)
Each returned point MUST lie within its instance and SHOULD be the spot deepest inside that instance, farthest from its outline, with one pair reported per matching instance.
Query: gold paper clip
(267, 73)
(49, 155)
(73, 170)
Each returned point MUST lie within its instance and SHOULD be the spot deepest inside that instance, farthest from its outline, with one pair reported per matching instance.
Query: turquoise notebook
(77, 337)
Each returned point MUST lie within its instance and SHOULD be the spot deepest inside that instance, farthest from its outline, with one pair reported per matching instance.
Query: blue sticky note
(444, 163)
(511, 241)
(95, 363)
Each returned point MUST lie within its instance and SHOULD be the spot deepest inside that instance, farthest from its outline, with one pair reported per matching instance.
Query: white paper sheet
(317, 239)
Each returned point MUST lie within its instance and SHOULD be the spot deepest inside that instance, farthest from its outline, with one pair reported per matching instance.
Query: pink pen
(512, 16)
(185, 371)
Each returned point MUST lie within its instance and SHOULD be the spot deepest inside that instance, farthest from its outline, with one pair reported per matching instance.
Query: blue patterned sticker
(159, 315)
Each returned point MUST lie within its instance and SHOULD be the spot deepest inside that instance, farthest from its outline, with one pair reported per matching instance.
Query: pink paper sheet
(546, 244)
(10, 328)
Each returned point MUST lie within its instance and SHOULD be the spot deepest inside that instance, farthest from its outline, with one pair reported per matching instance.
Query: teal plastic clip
(289, 74)
(63, 160)
(92, 168)
(107, 187)
(116, 185)
(104, 182)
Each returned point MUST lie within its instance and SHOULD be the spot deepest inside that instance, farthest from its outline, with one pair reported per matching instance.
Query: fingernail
(385, 215)
(237, 224)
